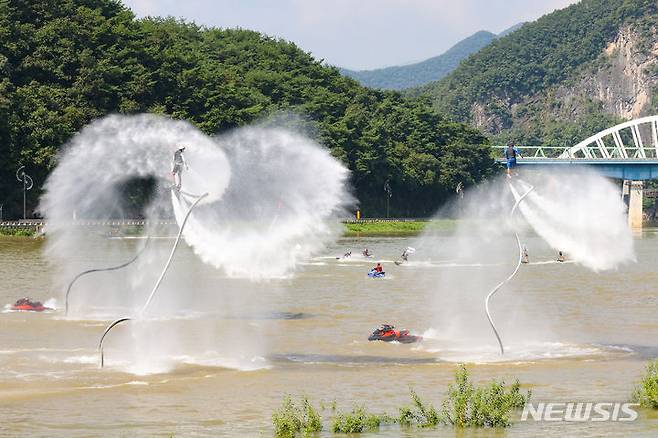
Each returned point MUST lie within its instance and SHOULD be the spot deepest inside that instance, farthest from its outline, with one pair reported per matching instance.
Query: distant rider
(526, 257)
(366, 253)
(510, 155)
(177, 169)
(561, 257)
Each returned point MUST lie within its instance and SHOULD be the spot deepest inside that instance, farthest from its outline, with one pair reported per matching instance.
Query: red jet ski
(27, 305)
(387, 333)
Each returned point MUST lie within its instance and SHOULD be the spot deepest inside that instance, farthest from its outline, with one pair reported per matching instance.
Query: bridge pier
(633, 191)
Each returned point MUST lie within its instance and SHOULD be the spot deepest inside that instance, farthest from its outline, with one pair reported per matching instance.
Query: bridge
(628, 152)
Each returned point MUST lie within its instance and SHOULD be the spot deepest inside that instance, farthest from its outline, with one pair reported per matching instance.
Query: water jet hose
(171, 254)
(157, 284)
(90, 271)
(516, 269)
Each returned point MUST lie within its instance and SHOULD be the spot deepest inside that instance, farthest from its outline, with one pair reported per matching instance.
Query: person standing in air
(525, 258)
(177, 168)
(510, 155)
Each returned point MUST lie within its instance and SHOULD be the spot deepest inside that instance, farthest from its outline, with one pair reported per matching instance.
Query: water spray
(90, 271)
(263, 201)
(157, 284)
(516, 269)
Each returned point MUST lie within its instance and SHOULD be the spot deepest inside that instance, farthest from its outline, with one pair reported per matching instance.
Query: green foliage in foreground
(359, 420)
(291, 419)
(646, 392)
(486, 406)
(421, 413)
(466, 405)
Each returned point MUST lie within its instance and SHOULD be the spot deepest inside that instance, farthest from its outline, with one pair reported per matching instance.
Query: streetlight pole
(389, 193)
(23, 177)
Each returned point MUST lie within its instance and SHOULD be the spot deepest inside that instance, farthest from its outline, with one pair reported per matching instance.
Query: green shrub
(357, 421)
(646, 393)
(312, 421)
(407, 417)
(291, 419)
(420, 414)
(487, 406)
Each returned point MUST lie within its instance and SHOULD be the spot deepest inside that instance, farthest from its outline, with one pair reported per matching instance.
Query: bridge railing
(586, 153)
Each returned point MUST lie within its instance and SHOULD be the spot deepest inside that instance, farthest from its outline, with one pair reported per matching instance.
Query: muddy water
(219, 353)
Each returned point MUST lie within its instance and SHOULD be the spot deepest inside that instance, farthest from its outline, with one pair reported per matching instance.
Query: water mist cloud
(273, 196)
(581, 214)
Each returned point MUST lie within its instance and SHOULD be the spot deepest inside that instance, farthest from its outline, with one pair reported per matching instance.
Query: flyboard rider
(510, 155)
(177, 167)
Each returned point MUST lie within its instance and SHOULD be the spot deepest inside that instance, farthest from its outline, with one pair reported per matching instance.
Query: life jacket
(511, 153)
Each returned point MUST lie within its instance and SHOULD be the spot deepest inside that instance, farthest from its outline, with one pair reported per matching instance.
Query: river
(221, 357)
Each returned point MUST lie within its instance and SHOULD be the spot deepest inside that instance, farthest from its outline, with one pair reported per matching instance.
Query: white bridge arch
(635, 139)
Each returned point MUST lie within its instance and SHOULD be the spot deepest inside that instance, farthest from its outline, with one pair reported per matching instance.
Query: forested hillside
(561, 78)
(61, 67)
(420, 73)
(432, 69)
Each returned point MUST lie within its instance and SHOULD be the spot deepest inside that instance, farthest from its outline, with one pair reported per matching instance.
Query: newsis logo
(580, 411)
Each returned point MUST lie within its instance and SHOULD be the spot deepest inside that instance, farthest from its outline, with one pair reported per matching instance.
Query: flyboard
(408, 251)
(519, 199)
(179, 194)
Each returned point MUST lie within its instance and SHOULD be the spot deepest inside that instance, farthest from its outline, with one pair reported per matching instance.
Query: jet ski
(375, 274)
(387, 333)
(27, 305)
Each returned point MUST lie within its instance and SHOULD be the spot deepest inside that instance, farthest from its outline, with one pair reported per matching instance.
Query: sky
(358, 34)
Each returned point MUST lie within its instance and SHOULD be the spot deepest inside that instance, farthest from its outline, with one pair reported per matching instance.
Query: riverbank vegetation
(490, 405)
(61, 68)
(16, 232)
(465, 405)
(646, 392)
(293, 418)
(397, 228)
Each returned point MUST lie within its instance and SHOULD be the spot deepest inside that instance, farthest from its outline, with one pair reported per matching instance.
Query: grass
(16, 232)
(646, 392)
(397, 228)
(487, 406)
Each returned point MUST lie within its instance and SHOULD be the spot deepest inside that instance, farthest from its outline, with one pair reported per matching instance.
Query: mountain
(561, 78)
(432, 69)
(61, 68)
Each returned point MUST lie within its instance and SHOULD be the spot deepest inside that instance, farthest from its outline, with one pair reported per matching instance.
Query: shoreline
(363, 228)
(353, 228)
